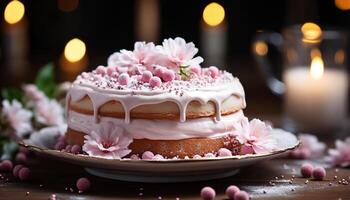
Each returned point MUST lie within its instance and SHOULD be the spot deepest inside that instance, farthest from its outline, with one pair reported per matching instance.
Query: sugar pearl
(123, 79)
(101, 70)
(134, 157)
(60, 145)
(83, 184)
(319, 173)
(195, 69)
(224, 152)
(110, 71)
(76, 149)
(6, 165)
(68, 148)
(208, 193)
(159, 71)
(168, 75)
(21, 157)
(16, 170)
(158, 157)
(241, 195)
(231, 191)
(155, 81)
(214, 71)
(146, 76)
(24, 173)
(306, 170)
(147, 155)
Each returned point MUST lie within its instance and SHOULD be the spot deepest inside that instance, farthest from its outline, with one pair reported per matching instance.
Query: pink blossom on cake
(109, 142)
(255, 135)
(310, 147)
(49, 112)
(179, 53)
(18, 117)
(340, 155)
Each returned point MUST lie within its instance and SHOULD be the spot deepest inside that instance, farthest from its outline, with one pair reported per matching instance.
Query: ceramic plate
(179, 170)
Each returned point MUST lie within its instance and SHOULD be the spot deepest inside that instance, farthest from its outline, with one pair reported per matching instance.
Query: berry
(16, 170)
(208, 193)
(319, 173)
(158, 157)
(68, 148)
(306, 170)
(146, 76)
(60, 145)
(6, 165)
(224, 152)
(147, 155)
(83, 184)
(101, 70)
(214, 71)
(76, 149)
(24, 173)
(123, 79)
(195, 69)
(21, 157)
(159, 72)
(155, 81)
(110, 71)
(241, 195)
(231, 191)
(168, 75)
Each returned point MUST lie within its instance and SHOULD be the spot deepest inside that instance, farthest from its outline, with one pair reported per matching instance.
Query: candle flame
(311, 32)
(213, 14)
(317, 67)
(75, 50)
(14, 12)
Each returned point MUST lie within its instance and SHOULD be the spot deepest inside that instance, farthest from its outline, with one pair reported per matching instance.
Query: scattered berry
(60, 146)
(224, 152)
(155, 81)
(168, 75)
(20, 157)
(208, 193)
(6, 165)
(110, 71)
(123, 79)
(147, 155)
(134, 157)
(16, 169)
(146, 76)
(241, 195)
(76, 149)
(231, 191)
(306, 170)
(319, 173)
(159, 71)
(24, 173)
(101, 70)
(68, 148)
(158, 157)
(83, 184)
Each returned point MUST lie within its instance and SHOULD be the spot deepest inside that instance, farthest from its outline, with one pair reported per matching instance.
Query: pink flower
(255, 135)
(179, 53)
(340, 156)
(49, 112)
(33, 92)
(18, 117)
(310, 147)
(108, 142)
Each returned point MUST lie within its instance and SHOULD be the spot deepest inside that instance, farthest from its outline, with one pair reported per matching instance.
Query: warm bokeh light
(342, 4)
(213, 14)
(311, 32)
(75, 50)
(67, 5)
(14, 12)
(315, 52)
(261, 48)
(339, 56)
(317, 67)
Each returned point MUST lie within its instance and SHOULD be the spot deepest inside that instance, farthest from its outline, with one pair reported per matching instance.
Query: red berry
(319, 173)
(68, 148)
(24, 173)
(21, 157)
(83, 184)
(231, 191)
(6, 165)
(241, 195)
(16, 169)
(208, 193)
(306, 170)
(60, 145)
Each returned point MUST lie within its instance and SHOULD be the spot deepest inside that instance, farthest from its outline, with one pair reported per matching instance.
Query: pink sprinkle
(155, 81)
(83, 184)
(101, 70)
(146, 76)
(123, 79)
(319, 173)
(168, 75)
(306, 170)
(208, 193)
(16, 170)
(147, 155)
(214, 71)
(110, 71)
(21, 157)
(158, 157)
(24, 173)
(231, 191)
(195, 69)
(159, 71)
(60, 145)
(6, 165)
(76, 149)
(224, 152)
(241, 195)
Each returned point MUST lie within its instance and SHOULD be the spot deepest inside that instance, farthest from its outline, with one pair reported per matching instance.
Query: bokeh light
(213, 14)
(342, 4)
(311, 32)
(67, 5)
(261, 48)
(75, 50)
(14, 12)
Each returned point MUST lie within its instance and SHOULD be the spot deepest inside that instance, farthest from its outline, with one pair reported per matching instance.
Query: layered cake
(155, 99)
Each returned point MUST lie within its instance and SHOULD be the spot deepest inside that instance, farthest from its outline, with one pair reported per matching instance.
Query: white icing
(161, 129)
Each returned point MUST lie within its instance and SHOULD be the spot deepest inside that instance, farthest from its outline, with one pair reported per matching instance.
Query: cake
(155, 99)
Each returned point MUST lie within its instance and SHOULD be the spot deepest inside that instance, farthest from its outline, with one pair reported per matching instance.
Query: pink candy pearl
(60, 145)
(209, 155)
(231, 191)
(76, 149)
(6, 165)
(147, 155)
(101, 70)
(168, 75)
(241, 195)
(123, 79)
(155, 81)
(110, 71)
(83, 184)
(158, 157)
(134, 157)
(146, 76)
(214, 71)
(159, 71)
(306, 170)
(319, 173)
(195, 69)
(224, 152)
(21, 157)
(208, 193)
(16, 170)
(24, 173)
(68, 148)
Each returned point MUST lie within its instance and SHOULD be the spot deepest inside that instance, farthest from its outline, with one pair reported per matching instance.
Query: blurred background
(79, 35)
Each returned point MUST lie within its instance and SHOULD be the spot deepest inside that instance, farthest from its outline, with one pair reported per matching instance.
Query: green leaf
(45, 80)
(11, 94)
(8, 149)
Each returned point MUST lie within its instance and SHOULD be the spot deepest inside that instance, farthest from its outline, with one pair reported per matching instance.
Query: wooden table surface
(267, 180)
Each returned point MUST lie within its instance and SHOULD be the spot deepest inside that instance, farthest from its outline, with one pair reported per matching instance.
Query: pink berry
(306, 170)
(241, 195)
(231, 191)
(83, 184)
(110, 71)
(123, 79)
(224, 152)
(158, 157)
(155, 81)
(195, 69)
(101, 70)
(24, 173)
(21, 157)
(319, 173)
(6, 165)
(68, 148)
(159, 71)
(16, 169)
(60, 145)
(214, 71)
(147, 155)
(134, 157)
(76, 149)
(208, 193)
(168, 75)
(146, 76)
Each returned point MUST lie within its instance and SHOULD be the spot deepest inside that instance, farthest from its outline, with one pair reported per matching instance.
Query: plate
(169, 170)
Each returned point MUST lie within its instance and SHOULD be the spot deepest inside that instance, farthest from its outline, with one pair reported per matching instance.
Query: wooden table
(268, 180)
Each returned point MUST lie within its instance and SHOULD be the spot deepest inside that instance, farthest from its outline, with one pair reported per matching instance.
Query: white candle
(316, 99)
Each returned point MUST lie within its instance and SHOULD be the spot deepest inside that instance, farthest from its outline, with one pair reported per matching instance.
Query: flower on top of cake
(152, 67)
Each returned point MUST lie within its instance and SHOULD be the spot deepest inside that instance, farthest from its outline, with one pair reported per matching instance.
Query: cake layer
(156, 129)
